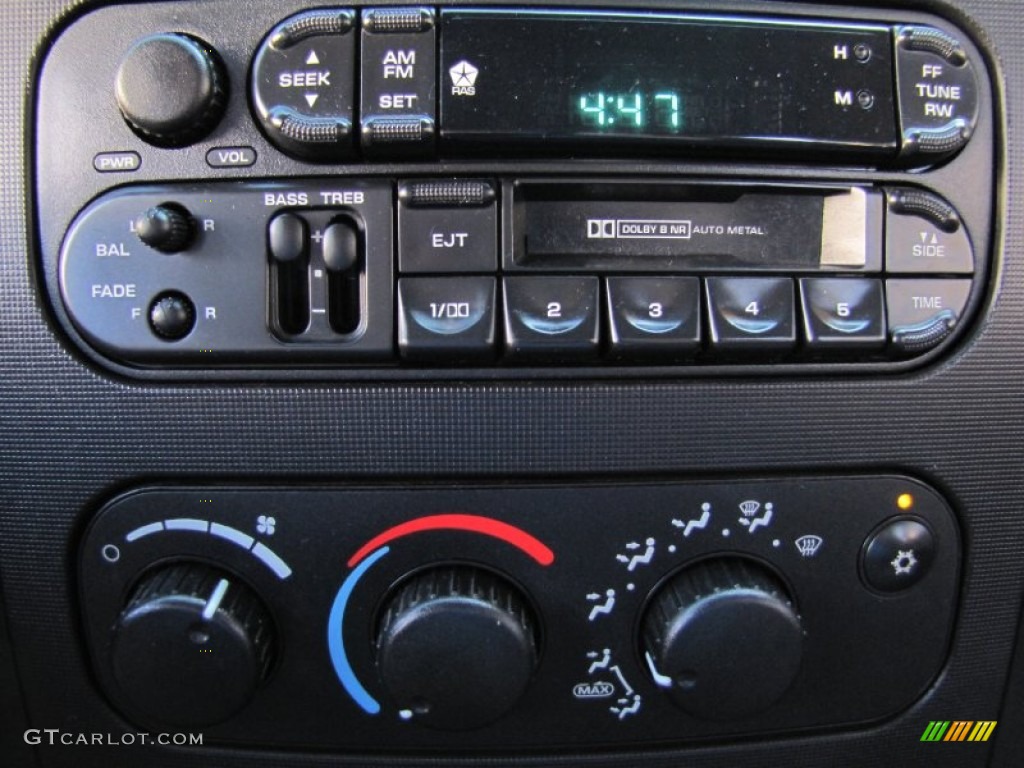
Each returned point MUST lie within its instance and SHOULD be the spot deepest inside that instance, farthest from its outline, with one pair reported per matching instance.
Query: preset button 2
(553, 318)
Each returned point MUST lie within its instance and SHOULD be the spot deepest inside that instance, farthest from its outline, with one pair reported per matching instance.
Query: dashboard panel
(553, 385)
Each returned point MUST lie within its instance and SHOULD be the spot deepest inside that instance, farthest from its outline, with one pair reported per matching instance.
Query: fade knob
(722, 639)
(191, 647)
(456, 647)
(171, 89)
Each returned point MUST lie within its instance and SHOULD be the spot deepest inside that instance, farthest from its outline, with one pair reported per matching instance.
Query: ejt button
(452, 238)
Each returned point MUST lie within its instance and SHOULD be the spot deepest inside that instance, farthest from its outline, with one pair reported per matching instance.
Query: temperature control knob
(171, 89)
(456, 647)
(722, 639)
(191, 647)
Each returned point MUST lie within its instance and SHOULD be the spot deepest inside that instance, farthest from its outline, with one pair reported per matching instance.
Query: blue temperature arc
(335, 642)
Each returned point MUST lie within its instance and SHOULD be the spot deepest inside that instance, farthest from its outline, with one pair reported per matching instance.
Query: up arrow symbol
(311, 99)
(312, 59)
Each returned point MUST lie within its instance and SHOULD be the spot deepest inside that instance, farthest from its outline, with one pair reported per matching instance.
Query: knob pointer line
(375, 549)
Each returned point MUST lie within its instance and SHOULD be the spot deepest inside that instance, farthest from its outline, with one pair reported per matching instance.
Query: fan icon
(265, 524)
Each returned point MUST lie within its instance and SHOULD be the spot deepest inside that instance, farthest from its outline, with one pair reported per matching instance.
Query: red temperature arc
(456, 522)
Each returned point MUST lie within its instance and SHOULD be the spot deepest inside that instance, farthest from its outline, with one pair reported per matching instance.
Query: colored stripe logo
(959, 730)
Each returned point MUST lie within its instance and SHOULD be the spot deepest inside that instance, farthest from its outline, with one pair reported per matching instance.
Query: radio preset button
(552, 318)
(303, 84)
(446, 318)
(751, 313)
(924, 234)
(657, 316)
(922, 313)
(843, 312)
(398, 89)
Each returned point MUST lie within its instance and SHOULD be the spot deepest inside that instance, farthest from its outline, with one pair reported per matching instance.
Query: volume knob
(171, 89)
(456, 647)
(191, 647)
(722, 638)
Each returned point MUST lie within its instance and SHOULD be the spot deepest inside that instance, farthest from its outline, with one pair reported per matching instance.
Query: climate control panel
(533, 616)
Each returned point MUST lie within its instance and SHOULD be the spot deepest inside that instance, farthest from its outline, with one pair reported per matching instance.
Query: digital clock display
(660, 111)
(565, 80)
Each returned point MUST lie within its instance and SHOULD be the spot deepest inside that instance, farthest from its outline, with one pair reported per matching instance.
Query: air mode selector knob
(456, 647)
(191, 647)
(722, 639)
(171, 89)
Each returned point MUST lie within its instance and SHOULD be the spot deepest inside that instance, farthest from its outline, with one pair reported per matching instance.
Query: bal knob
(722, 639)
(456, 647)
(171, 89)
(191, 647)
(167, 228)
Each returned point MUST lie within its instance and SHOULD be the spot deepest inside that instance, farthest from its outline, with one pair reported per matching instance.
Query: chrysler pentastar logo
(463, 76)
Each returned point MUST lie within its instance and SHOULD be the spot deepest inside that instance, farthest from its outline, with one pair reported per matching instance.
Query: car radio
(389, 191)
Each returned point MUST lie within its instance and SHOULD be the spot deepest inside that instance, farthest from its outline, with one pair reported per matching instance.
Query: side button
(654, 316)
(922, 313)
(446, 318)
(924, 235)
(551, 318)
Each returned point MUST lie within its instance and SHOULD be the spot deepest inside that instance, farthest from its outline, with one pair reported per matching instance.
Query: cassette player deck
(407, 189)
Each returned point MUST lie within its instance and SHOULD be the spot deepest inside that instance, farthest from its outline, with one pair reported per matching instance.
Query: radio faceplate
(309, 222)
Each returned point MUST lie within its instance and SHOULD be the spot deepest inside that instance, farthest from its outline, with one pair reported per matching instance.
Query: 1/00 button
(446, 318)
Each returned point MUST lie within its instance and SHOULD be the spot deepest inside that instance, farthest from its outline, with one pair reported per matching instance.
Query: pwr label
(633, 229)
